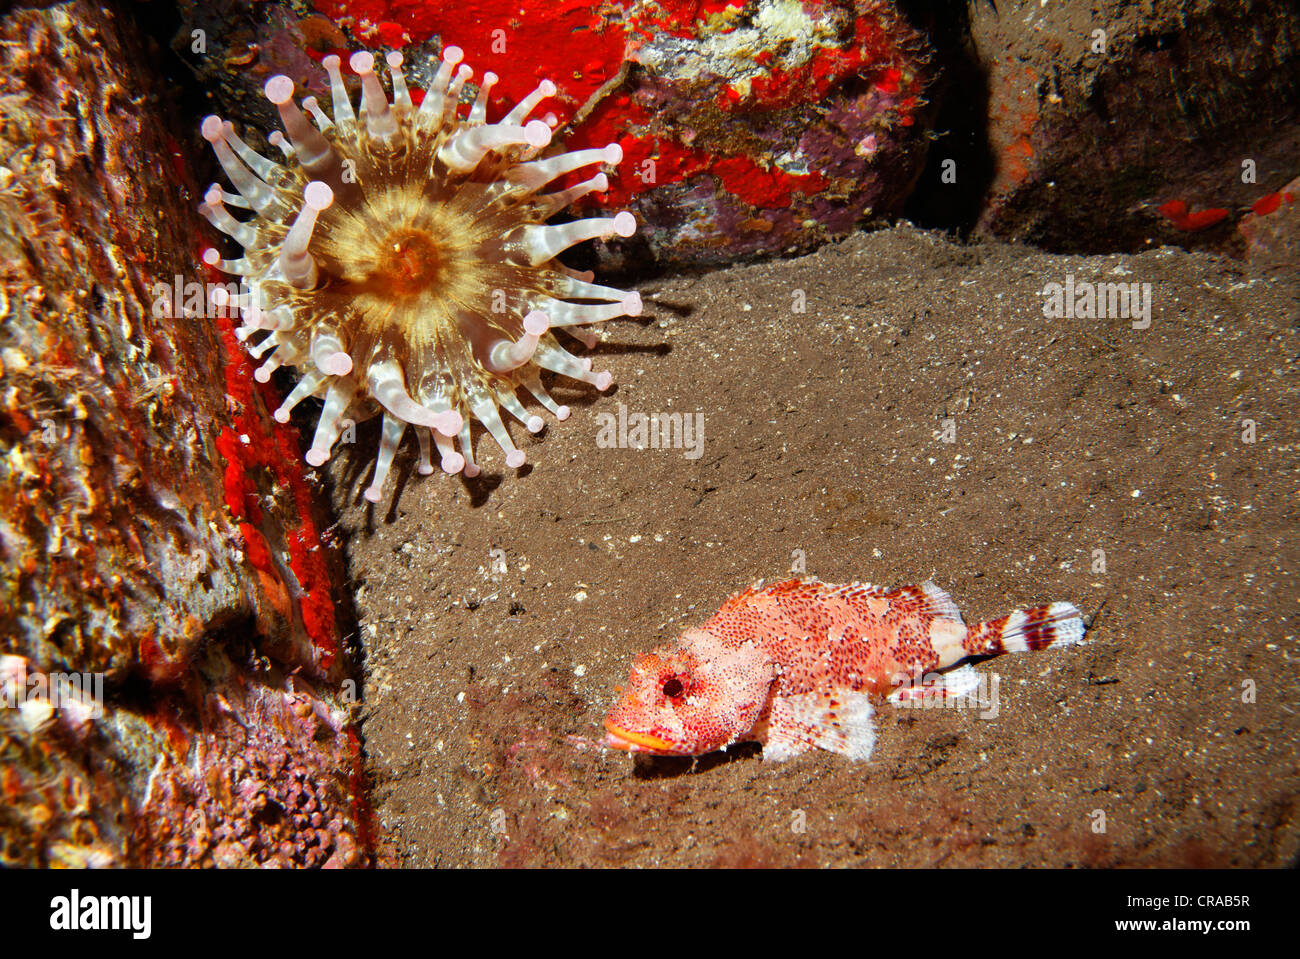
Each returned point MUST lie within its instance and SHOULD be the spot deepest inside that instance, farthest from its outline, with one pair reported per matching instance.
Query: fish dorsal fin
(860, 590)
(939, 602)
(740, 599)
(772, 589)
(929, 598)
(840, 721)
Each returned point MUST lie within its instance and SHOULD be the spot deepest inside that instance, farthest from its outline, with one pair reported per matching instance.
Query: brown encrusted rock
(1272, 230)
(1112, 125)
(109, 415)
(155, 524)
(268, 782)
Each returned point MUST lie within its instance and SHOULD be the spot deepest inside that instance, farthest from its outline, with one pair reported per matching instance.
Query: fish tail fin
(1038, 627)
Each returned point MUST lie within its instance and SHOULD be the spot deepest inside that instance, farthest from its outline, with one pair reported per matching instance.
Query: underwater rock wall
(168, 614)
(759, 127)
(1118, 126)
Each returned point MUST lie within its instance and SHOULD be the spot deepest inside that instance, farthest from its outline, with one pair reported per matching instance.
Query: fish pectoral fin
(779, 745)
(840, 721)
(954, 684)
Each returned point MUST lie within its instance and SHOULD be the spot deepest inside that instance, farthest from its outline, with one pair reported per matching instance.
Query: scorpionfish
(796, 665)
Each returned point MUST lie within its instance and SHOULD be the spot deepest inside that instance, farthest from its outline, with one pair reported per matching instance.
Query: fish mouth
(625, 739)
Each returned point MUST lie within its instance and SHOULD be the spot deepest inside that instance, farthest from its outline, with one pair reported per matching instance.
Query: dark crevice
(960, 145)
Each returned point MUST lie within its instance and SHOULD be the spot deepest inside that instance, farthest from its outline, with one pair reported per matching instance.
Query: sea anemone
(402, 261)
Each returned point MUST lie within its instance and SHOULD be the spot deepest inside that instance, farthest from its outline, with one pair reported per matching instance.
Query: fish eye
(674, 688)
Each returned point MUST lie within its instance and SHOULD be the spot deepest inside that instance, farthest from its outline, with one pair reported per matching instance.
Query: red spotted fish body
(797, 664)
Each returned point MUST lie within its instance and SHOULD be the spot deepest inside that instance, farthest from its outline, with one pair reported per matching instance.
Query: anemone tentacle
(400, 258)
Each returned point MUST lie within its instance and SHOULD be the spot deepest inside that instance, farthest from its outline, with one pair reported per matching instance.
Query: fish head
(689, 701)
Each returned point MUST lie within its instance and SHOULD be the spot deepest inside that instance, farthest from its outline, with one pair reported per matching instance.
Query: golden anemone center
(411, 262)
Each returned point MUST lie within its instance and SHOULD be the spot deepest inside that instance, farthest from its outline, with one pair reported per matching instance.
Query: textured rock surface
(1272, 230)
(768, 127)
(155, 527)
(1143, 142)
(774, 124)
(748, 126)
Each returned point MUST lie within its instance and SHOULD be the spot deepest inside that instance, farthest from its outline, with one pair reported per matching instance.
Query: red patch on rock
(1178, 213)
(1266, 204)
(696, 109)
(252, 449)
(567, 41)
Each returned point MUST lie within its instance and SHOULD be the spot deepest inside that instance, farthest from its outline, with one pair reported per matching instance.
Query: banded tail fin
(1038, 627)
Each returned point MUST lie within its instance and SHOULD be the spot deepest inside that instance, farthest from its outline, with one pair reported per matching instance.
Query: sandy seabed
(499, 614)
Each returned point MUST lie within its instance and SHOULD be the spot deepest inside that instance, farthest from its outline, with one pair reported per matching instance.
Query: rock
(156, 527)
(768, 127)
(1112, 125)
(1272, 230)
(748, 126)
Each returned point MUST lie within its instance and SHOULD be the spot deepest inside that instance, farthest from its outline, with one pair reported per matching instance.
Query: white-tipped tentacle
(505, 356)
(535, 175)
(295, 261)
(278, 139)
(509, 402)
(542, 243)
(565, 314)
(328, 354)
(452, 102)
(311, 384)
(240, 267)
(215, 212)
(391, 436)
(337, 401)
(386, 383)
(525, 106)
(451, 461)
(248, 184)
(468, 466)
(478, 112)
(311, 148)
(533, 383)
(431, 108)
(267, 170)
(584, 289)
(229, 199)
(551, 203)
(344, 116)
(485, 411)
(380, 121)
(463, 151)
(312, 106)
(401, 95)
(557, 359)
